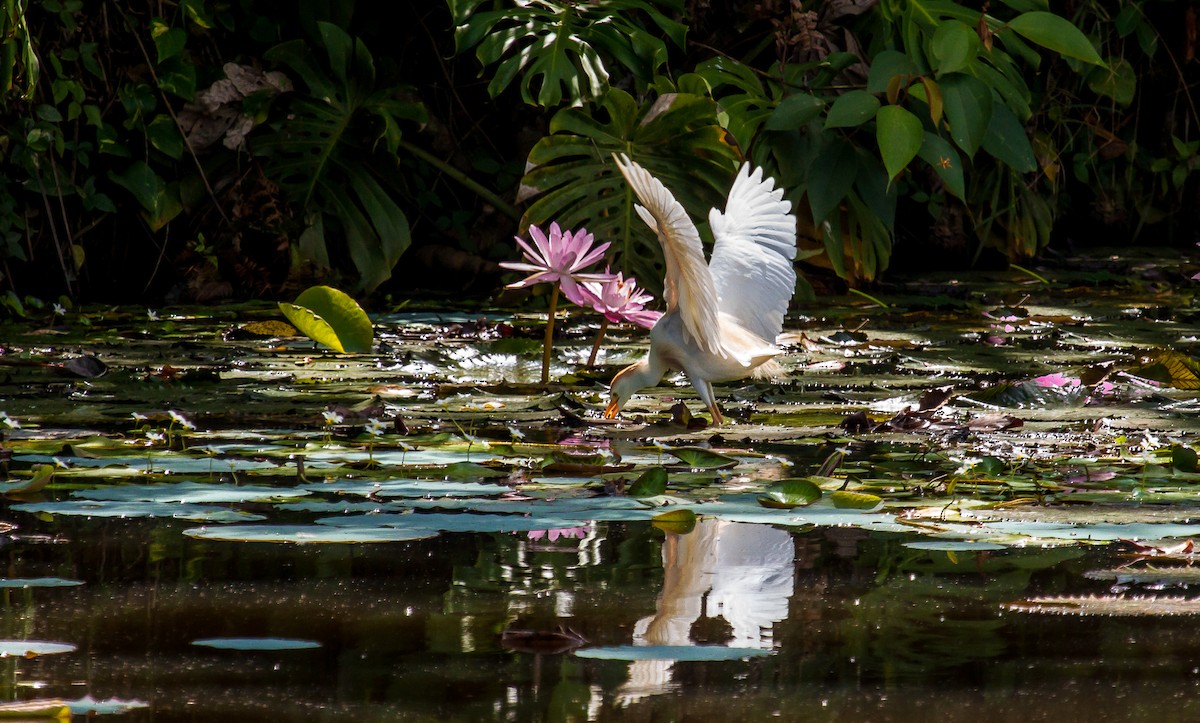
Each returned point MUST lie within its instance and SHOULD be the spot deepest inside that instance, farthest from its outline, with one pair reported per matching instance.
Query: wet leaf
(257, 644)
(651, 483)
(670, 652)
(700, 458)
(330, 317)
(787, 494)
(855, 500)
(680, 522)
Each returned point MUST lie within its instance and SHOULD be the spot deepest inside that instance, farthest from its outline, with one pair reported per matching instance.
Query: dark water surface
(857, 627)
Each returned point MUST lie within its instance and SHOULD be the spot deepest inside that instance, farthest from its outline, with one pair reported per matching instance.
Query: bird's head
(624, 384)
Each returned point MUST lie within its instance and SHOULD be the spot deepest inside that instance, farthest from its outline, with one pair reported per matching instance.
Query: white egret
(722, 316)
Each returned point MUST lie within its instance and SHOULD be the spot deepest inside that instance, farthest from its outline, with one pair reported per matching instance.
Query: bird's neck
(647, 372)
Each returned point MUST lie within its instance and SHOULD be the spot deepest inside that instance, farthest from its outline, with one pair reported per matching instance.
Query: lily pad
(409, 488)
(112, 508)
(189, 492)
(22, 582)
(32, 648)
(308, 534)
(89, 706)
(954, 545)
(1108, 605)
(267, 644)
(670, 652)
(679, 522)
(844, 500)
(701, 458)
(330, 317)
(786, 494)
(651, 483)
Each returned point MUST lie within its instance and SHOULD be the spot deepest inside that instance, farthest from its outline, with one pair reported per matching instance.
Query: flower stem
(599, 338)
(549, 342)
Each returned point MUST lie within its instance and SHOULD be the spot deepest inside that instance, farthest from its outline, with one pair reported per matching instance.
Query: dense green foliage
(246, 149)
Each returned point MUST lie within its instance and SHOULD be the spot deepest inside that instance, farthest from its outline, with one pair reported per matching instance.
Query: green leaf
(852, 109)
(1117, 81)
(794, 111)
(844, 500)
(790, 493)
(700, 458)
(886, 66)
(680, 522)
(1006, 140)
(168, 41)
(330, 317)
(900, 135)
(163, 135)
(159, 201)
(652, 483)
(968, 106)
(1058, 34)
(1184, 458)
(945, 162)
(955, 45)
(831, 175)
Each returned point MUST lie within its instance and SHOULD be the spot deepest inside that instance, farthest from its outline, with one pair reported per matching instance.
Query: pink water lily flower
(560, 258)
(618, 298)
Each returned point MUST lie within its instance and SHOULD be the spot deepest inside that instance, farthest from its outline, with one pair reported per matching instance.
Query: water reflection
(739, 573)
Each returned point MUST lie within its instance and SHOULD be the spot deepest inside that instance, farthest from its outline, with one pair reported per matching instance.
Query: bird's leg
(717, 418)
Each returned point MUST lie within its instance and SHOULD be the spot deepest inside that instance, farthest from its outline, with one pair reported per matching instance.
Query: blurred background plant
(202, 150)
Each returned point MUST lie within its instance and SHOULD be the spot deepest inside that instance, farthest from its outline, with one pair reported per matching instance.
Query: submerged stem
(549, 341)
(599, 338)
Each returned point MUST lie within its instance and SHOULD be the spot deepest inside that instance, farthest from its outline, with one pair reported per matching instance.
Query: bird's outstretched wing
(755, 244)
(688, 288)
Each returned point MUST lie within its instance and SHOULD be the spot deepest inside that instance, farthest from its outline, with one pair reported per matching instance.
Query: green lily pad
(114, 508)
(22, 582)
(410, 488)
(954, 545)
(450, 522)
(844, 500)
(31, 648)
(89, 706)
(786, 494)
(308, 534)
(670, 652)
(651, 483)
(330, 317)
(680, 522)
(701, 458)
(189, 492)
(267, 644)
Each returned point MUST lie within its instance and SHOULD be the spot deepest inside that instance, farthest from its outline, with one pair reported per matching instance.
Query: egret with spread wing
(722, 316)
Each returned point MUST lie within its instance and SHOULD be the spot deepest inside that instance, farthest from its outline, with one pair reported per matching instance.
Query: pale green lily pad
(652, 482)
(409, 488)
(1180, 575)
(1109, 605)
(159, 462)
(189, 492)
(264, 644)
(460, 522)
(954, 545)
(30, 648)
(701, 458)
(89, 706)
(110, 508)
(670, 652)
(22, 582)
(309, 534)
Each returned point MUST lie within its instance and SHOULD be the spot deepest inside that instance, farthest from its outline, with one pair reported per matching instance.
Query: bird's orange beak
(610, 412)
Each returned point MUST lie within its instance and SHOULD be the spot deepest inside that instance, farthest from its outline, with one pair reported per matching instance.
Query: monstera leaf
(334, 152)
(558, 47)
(573, 180)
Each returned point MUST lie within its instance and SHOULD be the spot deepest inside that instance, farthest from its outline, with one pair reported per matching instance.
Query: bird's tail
(771, 370)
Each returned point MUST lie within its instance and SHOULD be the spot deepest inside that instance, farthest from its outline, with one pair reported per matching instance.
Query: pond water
(975, 504)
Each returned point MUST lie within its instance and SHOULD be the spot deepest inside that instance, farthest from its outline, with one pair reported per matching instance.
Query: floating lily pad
(855, 500)
(159, 461)
(21, 582)
(32, 648)
(461, 522)
(1108, 605)
(189, 492)
(679, 522)
(652, 482)
(89, 706)
(701, 458)
(786, 494)
(954, 545)
(410, 488)
(670, 652)
(268, 644)
(1178, 575)
(109, 508)
(309, 534)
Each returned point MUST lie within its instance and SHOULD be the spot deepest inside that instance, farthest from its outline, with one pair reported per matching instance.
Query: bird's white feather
(751, 264)
(689, 285)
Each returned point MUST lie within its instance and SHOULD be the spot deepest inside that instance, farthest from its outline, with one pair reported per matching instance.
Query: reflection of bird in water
(722, 316)
(736, 571)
